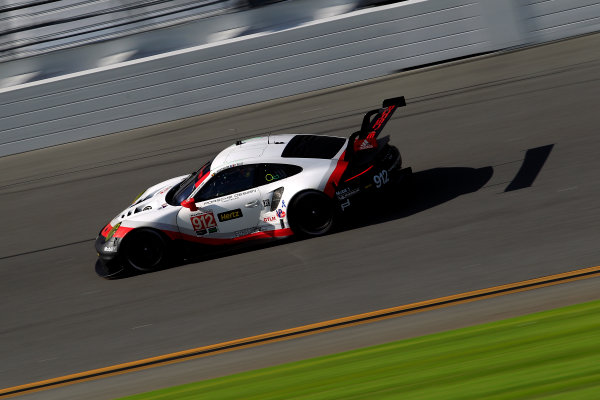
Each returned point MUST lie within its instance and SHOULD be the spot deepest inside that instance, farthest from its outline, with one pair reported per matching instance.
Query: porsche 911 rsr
(262, 188)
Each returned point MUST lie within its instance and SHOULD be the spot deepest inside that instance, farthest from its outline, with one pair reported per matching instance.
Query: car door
(228, 205)
(271, 181)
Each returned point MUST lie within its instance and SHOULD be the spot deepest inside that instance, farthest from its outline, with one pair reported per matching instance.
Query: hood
(152, 198)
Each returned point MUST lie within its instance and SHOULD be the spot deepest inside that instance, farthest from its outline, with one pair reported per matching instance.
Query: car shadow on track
(422, 191)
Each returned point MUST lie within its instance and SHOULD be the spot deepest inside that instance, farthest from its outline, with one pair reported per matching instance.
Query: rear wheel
(145, 250)
(311, 213)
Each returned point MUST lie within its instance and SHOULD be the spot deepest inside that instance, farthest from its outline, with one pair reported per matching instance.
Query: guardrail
(325, 53)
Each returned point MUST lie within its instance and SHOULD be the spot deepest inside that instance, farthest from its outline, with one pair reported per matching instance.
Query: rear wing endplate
(373, 123)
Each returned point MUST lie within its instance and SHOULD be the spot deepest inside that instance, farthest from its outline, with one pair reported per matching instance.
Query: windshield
(183, 190)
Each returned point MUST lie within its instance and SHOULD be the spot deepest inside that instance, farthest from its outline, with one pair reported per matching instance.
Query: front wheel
(145, 250)
(311, 213)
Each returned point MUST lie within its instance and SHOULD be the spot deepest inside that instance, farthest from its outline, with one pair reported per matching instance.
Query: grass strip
(549, 355)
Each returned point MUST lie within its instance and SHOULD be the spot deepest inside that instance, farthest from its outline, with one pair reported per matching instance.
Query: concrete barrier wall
(556, 19)
(330, 52)
(165, 39)
(35, 27)
(336, 51)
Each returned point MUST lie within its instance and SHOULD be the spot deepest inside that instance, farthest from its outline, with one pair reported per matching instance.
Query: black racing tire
(145, 250)
(311, 213)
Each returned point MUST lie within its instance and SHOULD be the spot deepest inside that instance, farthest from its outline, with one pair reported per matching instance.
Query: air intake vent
(277, 193)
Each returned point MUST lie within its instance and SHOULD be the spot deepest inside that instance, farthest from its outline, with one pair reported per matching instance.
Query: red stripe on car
(218, 241)
(336, 175)
(122, 231)
(356, 176)
(172, 235)
(201, 179)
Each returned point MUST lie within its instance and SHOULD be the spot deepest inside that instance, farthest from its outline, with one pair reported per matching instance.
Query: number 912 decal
(204, 223)
(381, 178)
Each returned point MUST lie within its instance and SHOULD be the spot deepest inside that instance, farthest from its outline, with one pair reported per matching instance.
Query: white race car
(262, 188)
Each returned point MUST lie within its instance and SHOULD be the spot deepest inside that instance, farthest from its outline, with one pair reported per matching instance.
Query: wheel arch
(167, 253)
(292, 203)
(138, 229)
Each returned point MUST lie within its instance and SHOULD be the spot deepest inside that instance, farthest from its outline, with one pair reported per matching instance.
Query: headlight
(112, 231)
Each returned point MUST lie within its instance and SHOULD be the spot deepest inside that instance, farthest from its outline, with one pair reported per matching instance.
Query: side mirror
(190, 204)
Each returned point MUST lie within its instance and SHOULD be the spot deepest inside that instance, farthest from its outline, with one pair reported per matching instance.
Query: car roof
(263, 149)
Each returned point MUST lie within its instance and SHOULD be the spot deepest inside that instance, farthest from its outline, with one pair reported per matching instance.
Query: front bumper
(107, 249)
(108, 264)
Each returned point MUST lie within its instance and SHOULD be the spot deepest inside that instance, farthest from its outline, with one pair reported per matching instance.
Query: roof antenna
(268, 138)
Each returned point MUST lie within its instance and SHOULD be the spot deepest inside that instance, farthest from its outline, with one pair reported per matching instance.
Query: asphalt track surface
(466, 132)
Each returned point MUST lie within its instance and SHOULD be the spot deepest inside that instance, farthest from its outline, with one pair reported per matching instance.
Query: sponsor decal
(345, 193)
(163, 206)
(381, 179)
(203, 232)
(202, 222)
(244, 232)
(163, 190)
(270, 218)
(280, 213)
(271, 177)
(213, 201)
(283, 204)
(229, 215)
(267, 203)
(345, 204)
(147, 208)
(244, 193)
(110, 249)
(229, 197)
(365, 145)
(227, 167)
(383, 117)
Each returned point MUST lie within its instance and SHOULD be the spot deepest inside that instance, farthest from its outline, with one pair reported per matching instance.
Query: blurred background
(132, 29)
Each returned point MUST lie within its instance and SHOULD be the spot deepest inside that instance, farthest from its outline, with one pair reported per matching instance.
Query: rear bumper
(400, 175)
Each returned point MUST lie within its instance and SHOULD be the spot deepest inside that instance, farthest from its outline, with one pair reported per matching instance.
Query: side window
(232, 180)
(269, 173)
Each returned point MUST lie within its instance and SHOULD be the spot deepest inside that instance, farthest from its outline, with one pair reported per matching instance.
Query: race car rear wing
(372, 125)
